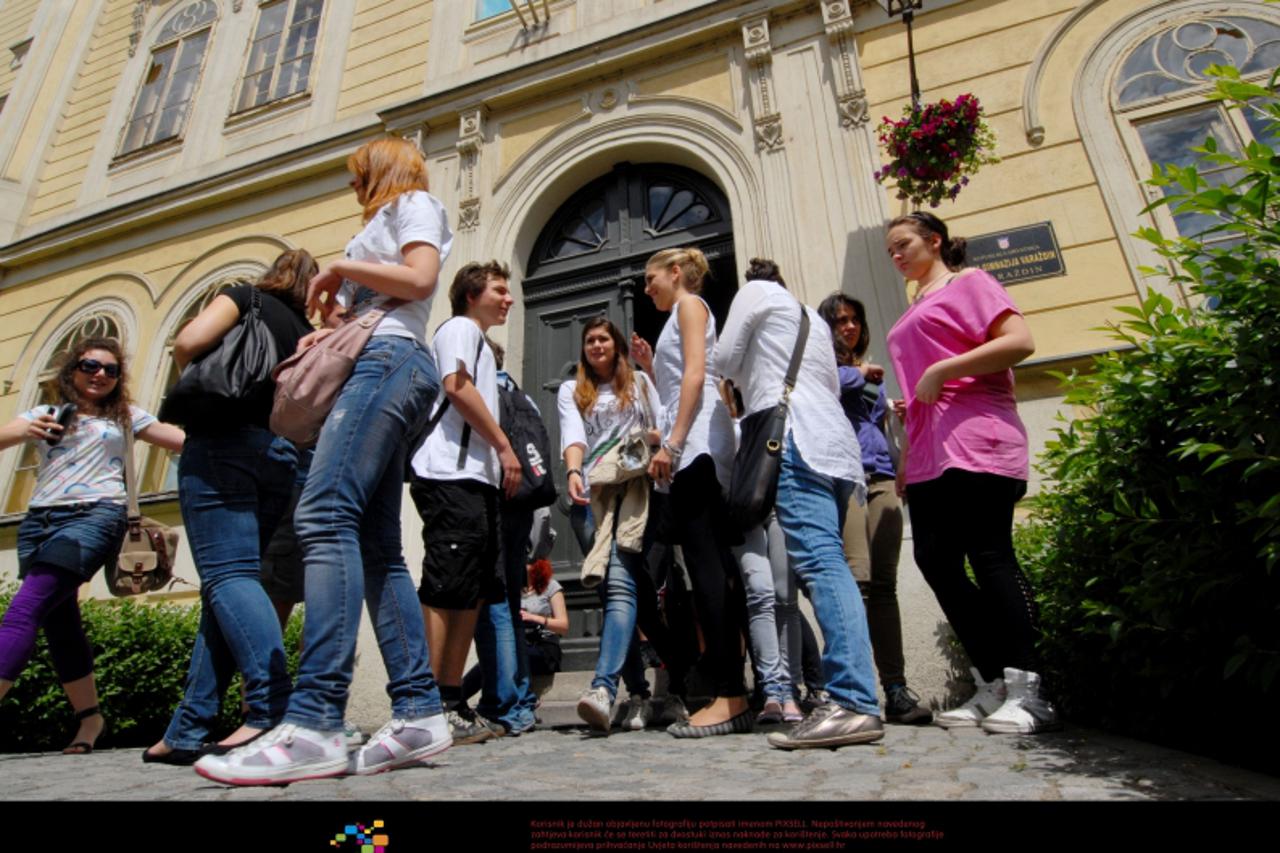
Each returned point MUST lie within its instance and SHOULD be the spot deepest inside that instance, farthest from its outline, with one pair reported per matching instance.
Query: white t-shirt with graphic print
(88, 464)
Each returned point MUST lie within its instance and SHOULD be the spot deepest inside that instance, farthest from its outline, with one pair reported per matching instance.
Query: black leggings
(697, 521)
(966, 514)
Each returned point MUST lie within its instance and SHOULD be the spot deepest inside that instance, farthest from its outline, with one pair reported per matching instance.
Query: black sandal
(84, 747)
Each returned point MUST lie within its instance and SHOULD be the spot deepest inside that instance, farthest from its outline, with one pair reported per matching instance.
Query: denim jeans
(810, 510)
(619, 619)
(348, 522)
(232, 489)
(500, 647)
(583, 524)
(756, 557)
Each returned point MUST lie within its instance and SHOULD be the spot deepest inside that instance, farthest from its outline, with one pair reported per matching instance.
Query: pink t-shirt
(974, 425)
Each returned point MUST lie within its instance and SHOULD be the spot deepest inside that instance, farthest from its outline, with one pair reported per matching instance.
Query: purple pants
(46, 599)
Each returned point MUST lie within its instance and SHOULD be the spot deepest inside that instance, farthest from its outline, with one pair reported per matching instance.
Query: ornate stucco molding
(471, 123)
(759, 55)
(851, 97)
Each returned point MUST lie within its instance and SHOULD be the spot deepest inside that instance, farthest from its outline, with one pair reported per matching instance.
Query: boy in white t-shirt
(458, 470)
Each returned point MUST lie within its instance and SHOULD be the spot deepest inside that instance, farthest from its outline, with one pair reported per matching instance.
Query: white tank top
(711, 431)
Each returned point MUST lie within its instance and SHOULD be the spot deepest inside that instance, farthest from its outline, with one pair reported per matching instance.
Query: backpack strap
(466, 427)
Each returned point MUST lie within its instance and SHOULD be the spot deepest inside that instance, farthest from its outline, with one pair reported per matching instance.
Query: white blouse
(755, 349)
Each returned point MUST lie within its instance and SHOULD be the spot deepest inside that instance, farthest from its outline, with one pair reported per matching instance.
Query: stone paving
(911, 764)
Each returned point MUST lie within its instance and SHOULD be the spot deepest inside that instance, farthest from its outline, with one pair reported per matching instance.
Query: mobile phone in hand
(63, 414)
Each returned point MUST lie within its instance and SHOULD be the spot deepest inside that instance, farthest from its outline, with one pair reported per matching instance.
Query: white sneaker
(1024, 712)
(352, 733)
(985, 701)
(287, 753)
(594, 707)
(635, 714)
(402, 742)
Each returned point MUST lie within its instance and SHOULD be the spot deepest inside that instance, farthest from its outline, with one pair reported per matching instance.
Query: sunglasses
(91, 366)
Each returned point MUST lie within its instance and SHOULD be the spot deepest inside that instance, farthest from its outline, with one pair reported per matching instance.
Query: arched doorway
(589, 260)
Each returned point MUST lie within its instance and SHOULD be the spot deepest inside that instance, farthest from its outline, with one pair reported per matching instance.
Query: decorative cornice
(837, 17)
(755, 40)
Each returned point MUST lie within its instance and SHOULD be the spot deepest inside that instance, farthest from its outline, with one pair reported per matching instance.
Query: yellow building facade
(153, 150)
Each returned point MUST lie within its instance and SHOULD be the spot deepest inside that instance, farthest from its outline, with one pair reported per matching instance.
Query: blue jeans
(619, 619)
(583, 525)
(348, 522)
(507, 696)
(232, 490)
(810, 511)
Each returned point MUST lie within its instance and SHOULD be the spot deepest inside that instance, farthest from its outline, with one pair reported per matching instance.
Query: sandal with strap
(84, 747)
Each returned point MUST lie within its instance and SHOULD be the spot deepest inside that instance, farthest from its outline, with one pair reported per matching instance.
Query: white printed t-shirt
(88, 464)
(605, 423)
(412, 217)
(455, 346)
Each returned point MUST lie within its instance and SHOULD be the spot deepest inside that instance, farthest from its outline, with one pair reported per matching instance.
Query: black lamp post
(907, 9)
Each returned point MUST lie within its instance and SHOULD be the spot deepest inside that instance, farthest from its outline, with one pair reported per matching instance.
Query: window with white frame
(173, 73)
(282, 52)
(491, 8)
(1158, 98)
(100, 324)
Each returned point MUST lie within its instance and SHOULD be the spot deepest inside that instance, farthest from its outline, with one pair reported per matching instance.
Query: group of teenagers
(426, 408)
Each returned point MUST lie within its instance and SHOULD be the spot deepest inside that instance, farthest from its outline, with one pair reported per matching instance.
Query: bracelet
(672, 450)
(573, 471)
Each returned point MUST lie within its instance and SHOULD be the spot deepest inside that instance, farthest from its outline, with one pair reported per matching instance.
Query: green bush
(141, 653)
(1155, 546)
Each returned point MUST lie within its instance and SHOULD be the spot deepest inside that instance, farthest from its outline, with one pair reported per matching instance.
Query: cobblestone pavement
(911, 764)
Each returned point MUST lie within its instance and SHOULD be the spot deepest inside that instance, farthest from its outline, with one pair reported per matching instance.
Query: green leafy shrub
(1154, 549)
(141, 653)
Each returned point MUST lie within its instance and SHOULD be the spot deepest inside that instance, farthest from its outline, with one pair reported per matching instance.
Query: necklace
(925, 288)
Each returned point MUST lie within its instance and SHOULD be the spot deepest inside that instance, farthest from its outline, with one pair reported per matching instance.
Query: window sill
(146, 154)
(270, 111)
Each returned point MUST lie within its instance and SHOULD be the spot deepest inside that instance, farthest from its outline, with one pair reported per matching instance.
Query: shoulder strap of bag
(793, 369)
(130, 475)
(466, 427)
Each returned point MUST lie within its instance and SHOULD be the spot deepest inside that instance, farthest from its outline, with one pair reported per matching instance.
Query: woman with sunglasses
(75, 521)
(234, 482)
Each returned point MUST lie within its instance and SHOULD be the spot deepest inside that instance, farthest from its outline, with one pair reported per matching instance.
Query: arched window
(1158, 98)
(1141, 100)
(281, 54)
(99, 324)
(169, 83)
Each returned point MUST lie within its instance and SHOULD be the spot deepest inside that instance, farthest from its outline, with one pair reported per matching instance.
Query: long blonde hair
(586, 391)
(692, 263)
(387, 168)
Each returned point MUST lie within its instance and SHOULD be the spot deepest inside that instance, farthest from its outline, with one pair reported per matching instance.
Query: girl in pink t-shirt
(965, 466)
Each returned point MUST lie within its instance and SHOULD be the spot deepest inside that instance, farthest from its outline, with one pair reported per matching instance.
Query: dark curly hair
(828, 310)
(115, 406)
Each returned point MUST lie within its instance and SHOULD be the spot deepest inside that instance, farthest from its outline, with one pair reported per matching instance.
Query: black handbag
(753, 485)
(234, 374)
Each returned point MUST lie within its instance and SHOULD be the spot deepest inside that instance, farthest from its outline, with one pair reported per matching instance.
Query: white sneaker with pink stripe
(287, 753)
(402, 742)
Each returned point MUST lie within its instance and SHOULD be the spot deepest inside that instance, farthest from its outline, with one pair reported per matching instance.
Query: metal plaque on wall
(1019, 254)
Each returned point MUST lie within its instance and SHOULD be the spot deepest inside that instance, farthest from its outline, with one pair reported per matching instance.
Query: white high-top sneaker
(1024, 711)
(989, 697)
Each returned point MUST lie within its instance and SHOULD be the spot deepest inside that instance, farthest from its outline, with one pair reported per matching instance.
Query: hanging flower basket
(935, 148)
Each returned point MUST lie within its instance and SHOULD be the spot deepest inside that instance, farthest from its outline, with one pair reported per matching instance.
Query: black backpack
(527, 433)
